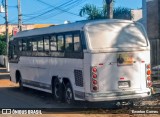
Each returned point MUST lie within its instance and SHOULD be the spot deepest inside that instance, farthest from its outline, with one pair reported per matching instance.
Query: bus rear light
(95, 88)
(94, 76)
(94, 82)
(94, 79)
(94, 69)
(148, 66)
(148, 72)
(149, 78)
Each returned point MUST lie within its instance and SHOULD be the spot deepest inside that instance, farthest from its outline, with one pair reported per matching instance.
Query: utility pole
(7, 34)
(19, 16)
(109, 4)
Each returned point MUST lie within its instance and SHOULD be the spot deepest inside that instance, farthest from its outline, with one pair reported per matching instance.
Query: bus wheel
(69, 98)
(56, 89)
(20, 83)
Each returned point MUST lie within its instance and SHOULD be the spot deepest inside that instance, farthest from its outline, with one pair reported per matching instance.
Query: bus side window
(34, 44)
(53, 43)
(40, 44)
(60, 43)
(77, 43)
(20, 45)
(68, 43)
(46, 43)
(24, 45)
(29, 45)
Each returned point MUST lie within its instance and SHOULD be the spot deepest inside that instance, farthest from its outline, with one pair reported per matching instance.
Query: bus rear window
(116, 35)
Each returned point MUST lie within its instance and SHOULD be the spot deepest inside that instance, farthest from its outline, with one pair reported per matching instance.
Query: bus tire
(20, 83)
(57, 89)
(69, 97)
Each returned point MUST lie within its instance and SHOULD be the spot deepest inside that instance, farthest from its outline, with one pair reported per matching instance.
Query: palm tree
(93, 12)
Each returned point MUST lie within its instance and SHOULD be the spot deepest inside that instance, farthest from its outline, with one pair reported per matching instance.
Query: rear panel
(113, 76)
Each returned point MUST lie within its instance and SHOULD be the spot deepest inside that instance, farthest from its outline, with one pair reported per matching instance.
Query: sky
(56, 11)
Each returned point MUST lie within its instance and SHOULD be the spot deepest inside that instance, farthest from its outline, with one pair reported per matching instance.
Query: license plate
(124, 59)
(123, 84)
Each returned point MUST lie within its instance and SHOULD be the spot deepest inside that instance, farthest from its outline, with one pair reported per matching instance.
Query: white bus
(99, 60)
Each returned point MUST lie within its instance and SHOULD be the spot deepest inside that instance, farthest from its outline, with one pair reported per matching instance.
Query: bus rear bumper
(105, 97)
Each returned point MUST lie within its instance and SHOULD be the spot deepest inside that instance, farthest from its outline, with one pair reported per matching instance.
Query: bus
(97, 60)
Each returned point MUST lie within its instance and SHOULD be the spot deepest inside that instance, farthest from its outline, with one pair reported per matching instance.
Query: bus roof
(65, 27)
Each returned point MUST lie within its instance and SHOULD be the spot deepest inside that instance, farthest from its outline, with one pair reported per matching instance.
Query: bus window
(60, 43)
(46, 43)
(34, 44)
(53, 43)
(24, 45)
(77, 43)
(68, 43)
(29, 45)
(20, 45)
(40, 44)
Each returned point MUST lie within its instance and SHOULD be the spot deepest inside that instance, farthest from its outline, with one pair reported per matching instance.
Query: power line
(51, 15)
(71, 2)
(57, 8)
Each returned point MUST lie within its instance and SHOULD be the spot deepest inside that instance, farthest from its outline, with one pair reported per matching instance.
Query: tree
(3, 48)
(92, 12)
(122, 13)
(3, 45)
(2, 37)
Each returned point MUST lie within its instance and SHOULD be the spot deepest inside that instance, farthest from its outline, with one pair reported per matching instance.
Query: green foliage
(92, 12)
(2, 38)
(3, 48)
(122, 13)
(3, 45)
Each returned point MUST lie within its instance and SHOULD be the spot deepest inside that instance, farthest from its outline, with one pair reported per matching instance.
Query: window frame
(60, 34)
(48, 38)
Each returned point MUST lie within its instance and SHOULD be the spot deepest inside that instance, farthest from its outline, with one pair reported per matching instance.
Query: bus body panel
(41, 70)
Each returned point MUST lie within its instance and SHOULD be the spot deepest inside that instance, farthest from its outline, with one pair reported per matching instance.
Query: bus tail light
(148, 72)
(94, 82)
(94, 69)
(94, 76)
(148, 76)
(94, 79)
(95, 88)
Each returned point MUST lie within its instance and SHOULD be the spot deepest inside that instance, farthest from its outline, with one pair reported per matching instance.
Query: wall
(2, 61)
(153, 28)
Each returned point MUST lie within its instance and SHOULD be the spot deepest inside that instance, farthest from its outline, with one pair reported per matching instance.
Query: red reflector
(94, 76)
(143, 61)
(94, 69)
(121, 78)
(95, 88)
(94, 82)
(101, 64)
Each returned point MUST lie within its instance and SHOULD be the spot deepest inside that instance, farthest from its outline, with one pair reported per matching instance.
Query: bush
(3, 47)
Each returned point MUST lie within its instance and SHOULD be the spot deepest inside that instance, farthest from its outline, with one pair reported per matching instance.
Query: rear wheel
(20, 83)
(69, 97)
(57, 89)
